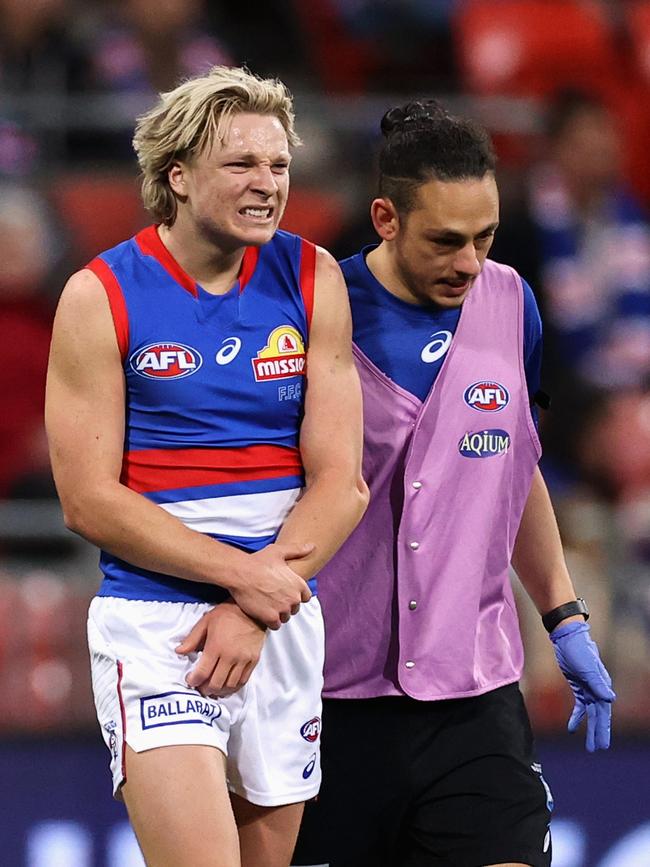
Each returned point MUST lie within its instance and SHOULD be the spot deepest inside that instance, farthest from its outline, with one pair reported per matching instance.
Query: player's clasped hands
(230, 637)
(580, 663)
(268, 589)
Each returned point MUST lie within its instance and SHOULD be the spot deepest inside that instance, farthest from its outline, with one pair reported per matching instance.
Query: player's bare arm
(336, 496)
(331, 435)
(85, 423)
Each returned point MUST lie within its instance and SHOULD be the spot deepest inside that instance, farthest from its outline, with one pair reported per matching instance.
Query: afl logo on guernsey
(484, 444)
(487, 396)
(282, 357)
(166, 361)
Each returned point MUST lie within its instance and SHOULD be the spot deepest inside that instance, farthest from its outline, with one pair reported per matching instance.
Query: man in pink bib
(428, 754)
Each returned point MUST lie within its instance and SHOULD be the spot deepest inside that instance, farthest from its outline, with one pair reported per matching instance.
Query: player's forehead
(465, 206)
(251, 133)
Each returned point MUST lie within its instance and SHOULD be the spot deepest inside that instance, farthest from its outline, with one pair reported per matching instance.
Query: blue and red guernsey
(214, 396)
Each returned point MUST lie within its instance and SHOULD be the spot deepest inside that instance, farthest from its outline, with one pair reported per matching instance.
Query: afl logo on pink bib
(486, 396)
(166, 361)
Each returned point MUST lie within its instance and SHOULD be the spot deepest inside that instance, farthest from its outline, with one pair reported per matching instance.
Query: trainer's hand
(580, 663)
(230, 643)
(267, 588)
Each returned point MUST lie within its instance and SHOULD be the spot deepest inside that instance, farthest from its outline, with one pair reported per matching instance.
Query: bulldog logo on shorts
(110, 728)
(177, 708)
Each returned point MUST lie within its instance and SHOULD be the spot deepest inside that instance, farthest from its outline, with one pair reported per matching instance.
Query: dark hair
(424, 142)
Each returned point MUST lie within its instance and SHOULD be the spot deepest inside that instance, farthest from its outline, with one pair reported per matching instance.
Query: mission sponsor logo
(176, 708)
(487, 396)
(311, 730)
(166, 361)
(484, 444)
(282, 357)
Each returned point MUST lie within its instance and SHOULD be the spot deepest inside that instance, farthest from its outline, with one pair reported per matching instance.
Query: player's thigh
(267, 835)
(178, 804)
(274, 745)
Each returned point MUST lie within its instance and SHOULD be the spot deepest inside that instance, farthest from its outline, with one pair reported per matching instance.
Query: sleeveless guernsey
(214, 396)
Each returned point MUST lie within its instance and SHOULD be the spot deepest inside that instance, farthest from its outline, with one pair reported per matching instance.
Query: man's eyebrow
(453, 235)
(249, 155)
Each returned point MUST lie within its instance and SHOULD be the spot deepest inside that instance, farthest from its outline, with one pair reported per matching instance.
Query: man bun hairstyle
(424, 142)
(189, 119)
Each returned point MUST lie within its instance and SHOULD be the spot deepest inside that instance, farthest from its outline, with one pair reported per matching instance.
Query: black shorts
(428, 784)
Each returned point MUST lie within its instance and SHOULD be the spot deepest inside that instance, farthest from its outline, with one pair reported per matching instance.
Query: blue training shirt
(408, 342)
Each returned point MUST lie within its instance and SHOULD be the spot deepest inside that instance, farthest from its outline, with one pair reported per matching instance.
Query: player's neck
(214, 269)
(383, 268)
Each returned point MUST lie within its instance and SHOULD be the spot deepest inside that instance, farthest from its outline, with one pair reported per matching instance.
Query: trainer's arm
(85, 418)
(539, 562)
(331, 435)
(538, 558)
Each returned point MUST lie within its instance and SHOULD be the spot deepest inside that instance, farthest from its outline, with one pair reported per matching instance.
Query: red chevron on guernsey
(152, 470)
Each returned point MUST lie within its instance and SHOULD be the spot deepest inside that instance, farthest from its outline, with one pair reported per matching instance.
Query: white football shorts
(269, 730)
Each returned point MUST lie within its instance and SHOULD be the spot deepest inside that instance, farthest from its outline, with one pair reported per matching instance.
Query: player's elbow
(359, 496)
(73, 516)
(363, 495)
(78, 515)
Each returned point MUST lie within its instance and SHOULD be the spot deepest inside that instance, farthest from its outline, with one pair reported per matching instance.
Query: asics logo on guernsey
(166, 361)
(436, 347)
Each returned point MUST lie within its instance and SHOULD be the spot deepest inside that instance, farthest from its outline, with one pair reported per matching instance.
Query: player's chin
(256, 236)
(449, 302)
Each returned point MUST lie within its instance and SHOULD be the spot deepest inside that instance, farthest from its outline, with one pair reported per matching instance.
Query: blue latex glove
(579, 662)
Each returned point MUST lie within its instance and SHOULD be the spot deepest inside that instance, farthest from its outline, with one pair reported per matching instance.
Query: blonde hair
(188, 120)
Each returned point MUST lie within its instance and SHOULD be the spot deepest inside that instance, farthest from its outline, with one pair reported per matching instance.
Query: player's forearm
(329, 510)
(138, 531)
(538, 558)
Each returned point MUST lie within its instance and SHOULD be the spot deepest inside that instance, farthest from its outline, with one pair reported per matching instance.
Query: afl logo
(487, 396)
(310, 730)
(484, 444)
(166, 361)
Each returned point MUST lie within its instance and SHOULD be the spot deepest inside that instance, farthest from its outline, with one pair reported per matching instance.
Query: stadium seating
(533, 47)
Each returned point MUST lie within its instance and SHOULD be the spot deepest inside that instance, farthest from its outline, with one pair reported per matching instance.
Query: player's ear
(385, 218)
(176, 178)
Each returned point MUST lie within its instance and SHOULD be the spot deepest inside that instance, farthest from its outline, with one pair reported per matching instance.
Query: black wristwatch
(569, 609)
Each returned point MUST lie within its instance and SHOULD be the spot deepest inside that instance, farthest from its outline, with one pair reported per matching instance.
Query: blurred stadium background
(564, 86)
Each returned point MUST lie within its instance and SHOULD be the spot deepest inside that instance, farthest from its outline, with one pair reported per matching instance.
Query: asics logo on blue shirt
(436, 347)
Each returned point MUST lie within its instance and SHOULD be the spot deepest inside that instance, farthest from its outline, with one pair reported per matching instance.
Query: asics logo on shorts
(308, 770)
(177, 708)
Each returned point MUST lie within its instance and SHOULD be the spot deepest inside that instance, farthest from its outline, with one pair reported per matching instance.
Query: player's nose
(264, 181)
(467, 261)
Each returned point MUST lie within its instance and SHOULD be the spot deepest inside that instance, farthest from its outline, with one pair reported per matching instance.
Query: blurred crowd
(564, 86)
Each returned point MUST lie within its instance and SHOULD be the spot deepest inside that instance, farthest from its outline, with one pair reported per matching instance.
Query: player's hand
(580, 663)
(268, 589)
(230, 643)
